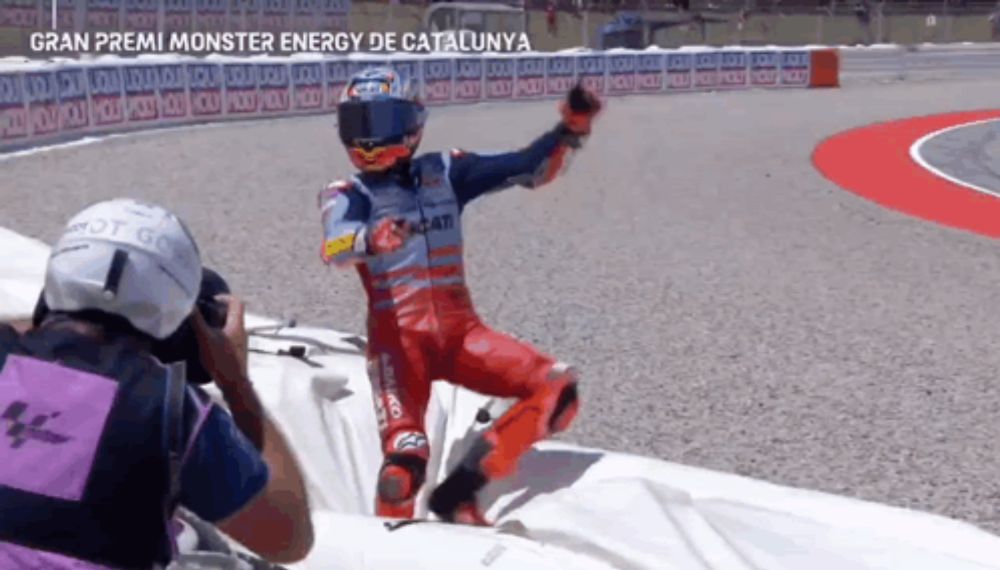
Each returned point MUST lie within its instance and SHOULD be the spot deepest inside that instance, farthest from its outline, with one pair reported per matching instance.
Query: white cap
(127, 258)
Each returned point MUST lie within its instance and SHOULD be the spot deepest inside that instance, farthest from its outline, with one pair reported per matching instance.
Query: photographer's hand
(224, 356)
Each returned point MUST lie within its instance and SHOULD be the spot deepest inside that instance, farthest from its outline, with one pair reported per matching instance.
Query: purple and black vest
(84, 462)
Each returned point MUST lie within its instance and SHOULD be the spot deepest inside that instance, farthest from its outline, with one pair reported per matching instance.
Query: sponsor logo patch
(409, 440)
(339, 245)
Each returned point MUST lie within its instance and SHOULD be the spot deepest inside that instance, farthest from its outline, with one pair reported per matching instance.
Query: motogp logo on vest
(21, 432)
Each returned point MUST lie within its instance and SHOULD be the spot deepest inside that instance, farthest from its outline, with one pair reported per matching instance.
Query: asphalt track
(729, 306)
(969, 153)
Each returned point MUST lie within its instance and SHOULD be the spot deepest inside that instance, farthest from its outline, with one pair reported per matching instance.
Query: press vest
(83, 456)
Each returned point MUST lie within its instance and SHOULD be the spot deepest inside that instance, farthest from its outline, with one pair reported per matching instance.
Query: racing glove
(579, 109)
(388, 235)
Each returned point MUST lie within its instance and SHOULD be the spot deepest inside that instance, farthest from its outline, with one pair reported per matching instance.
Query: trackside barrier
(47, 102)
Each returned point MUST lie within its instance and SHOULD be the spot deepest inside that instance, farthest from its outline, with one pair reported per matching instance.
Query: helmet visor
(379, 122)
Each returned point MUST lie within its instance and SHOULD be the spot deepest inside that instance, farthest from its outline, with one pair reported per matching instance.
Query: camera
(183, 344)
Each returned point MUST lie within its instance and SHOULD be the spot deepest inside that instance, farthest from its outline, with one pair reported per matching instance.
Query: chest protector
(429, 260)
(83, 453)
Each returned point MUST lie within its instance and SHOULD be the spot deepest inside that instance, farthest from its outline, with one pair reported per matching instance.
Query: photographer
(100, 442)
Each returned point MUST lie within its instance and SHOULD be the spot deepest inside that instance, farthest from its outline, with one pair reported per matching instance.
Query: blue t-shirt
(222, 471)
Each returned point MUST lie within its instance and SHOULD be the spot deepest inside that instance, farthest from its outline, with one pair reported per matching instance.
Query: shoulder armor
(332, 190)
(342, 184)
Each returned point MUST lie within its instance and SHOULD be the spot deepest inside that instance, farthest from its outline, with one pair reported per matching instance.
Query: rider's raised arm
(473, 175)
(345, 213)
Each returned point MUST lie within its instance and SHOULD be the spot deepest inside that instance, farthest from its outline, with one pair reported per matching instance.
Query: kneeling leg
(495, 364)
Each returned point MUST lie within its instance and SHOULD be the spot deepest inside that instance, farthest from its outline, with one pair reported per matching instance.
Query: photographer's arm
(276, 523)
(21, 325)
(225, 358)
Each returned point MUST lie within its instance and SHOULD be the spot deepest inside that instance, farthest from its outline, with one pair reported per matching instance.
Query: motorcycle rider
(398, 222)
(101, 442)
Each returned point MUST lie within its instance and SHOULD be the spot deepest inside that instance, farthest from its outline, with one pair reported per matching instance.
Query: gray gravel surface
(729, 307)
(970, 154)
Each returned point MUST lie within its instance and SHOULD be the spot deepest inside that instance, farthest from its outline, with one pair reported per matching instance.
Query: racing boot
(402, 475)
(454, 500)
(496, 453)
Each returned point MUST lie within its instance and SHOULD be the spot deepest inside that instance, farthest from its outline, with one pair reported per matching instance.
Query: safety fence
(46, 102)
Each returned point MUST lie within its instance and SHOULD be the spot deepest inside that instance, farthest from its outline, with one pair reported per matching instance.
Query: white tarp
(22, 269)
(569, 507)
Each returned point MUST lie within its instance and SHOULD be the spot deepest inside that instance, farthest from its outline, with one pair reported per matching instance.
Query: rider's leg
(397, 368)
(493, 363)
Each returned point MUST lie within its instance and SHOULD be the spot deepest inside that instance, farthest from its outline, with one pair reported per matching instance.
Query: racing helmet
(128, 259)
(380, 119)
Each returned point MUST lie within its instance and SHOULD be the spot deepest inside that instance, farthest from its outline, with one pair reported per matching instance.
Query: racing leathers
(422, 323)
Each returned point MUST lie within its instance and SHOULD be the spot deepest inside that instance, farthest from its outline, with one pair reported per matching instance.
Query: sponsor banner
(107, 101)
(795, 68)
(274, 15)
(334, 15)
(142, 104)
(66, 17)
(337, 74)
(468, 79)
(274, 84)
(706, 70)
(591, 71)
(530, 80)
(102, 14)
(560, 74)
(248, 14)
(341, 7)
(13, 112)
(437, 80)
(764, 68)
(210, 15)
(20, 14)
(41, 92)
(241, 96)
(621, 73)
(177, 16)
(307, 86)
(341, 23)
(205, 89)
(172, 83)
(307, 14)
(140, 15)
(680, 67)
(499, 78)
(74, 112)
(649, 72)
(733, 69)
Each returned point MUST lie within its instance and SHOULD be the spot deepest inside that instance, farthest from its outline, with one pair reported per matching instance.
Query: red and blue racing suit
(422, 322)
